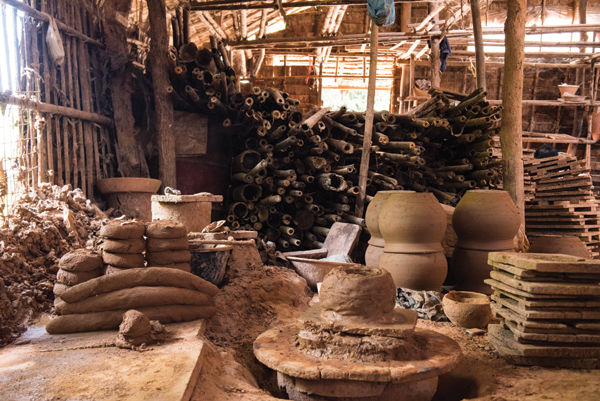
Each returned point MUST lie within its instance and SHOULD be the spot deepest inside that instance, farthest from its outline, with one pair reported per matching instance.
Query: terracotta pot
(566, 245)
(376, 242)
(417, 271)
(412, 222)
(486, 220)
(132, 195)
(470, 266)
(467, 309)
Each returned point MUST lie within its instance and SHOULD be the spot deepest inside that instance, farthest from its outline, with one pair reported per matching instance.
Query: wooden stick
(479, 51)
(364, 160)
(86, 96)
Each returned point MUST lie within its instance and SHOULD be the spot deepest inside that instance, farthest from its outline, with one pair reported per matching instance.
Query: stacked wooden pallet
(550, 305)
(564, 203)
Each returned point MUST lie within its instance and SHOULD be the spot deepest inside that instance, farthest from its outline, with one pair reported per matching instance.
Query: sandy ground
(263, 297)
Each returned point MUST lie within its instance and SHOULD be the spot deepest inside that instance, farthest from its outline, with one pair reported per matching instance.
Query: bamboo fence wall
(65, 136)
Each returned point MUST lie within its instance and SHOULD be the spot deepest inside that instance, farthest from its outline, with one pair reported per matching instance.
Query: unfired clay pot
(566, 245)
(412, 222)
(376, 242)
(486, 219)
(417, 271)
(470, 266)
(467, 309)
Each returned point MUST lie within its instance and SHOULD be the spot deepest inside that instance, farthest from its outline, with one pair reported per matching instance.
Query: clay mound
(59, 289)
(80, 260)
(74, 278)
(136, 329)
(165, 229)
(118, 229)
(179, 266)
(123, 260)
(138, 297)
(146, 277)
(168, 257)
(112, 319)
(167, 244)
(136, 245)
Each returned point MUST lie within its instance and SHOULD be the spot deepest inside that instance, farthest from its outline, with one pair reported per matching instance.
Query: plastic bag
(382, 12)
(55, 45)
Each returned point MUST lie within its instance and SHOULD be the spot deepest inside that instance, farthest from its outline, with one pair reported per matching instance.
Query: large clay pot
(566, 245)
(417, 271)
(132, 195)
(470, 266)
(376, 242)
(412, 222)
(486, 220)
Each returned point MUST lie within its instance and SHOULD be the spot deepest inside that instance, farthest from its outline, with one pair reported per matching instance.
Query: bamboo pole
(163, 107)
(511, 132)
(35, 88)
(364, 160)
(479, 51)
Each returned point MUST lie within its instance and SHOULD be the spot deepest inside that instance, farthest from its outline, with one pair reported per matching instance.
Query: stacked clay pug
(76, 267)
(167, 245)
(124, 245)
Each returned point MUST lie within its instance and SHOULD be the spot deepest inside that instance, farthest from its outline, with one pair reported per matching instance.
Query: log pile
(295, 175)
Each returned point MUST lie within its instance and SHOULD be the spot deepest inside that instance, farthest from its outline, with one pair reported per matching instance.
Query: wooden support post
(511, 132)
(405, 16)
(163, 106)
(478, 35)
(366, 151)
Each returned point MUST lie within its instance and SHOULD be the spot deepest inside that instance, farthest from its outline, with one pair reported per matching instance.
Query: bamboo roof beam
(255, 5)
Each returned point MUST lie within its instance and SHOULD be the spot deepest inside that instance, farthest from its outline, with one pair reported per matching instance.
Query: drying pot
(486, 220)
(412, 222)
(416, 271)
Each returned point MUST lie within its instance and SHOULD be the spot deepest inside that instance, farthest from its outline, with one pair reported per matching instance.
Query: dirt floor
(262, 297)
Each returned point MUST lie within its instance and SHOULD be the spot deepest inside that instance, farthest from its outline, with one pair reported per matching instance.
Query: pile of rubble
(44, 223)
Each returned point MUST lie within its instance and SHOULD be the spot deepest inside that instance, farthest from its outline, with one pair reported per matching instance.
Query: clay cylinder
(376, 242)
(417, 271)
(486, 220)
(470, 266)
(412, 222)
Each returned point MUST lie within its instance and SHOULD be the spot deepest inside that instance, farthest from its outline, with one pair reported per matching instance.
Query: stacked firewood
(295, 175)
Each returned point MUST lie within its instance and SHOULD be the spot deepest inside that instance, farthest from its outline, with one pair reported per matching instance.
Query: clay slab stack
(76, 267)
(564, 203)
(167, 245)
(550, 304)
(123, 246)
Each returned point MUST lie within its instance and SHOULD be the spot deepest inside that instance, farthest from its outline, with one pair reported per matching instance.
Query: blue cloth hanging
(382, 12)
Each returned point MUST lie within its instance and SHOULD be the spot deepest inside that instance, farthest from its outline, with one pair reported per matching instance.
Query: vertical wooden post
(163, 107)
(512, 99)
(436, 78)
(366, 151)
(405, 16)
(478, 35)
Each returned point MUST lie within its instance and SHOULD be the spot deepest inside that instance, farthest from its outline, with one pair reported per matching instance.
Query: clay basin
(467, 309)
(314, 270)
(128, 184)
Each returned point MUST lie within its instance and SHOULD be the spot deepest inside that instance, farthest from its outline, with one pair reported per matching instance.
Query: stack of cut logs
(295, 175)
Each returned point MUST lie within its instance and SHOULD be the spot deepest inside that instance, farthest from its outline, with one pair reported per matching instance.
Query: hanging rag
(444, 52)
(382, 12)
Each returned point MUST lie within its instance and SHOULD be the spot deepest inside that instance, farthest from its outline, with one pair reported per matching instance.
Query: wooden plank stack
(551, 309)
(563, 202)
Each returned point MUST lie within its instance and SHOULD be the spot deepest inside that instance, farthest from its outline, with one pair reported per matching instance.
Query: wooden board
(532, 275)
(342, 238)
(528, 303)
(573, 338)
(571, 289)
(497, 284)
(546, 262)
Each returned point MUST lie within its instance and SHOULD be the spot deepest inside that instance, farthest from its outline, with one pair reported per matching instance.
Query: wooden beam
(512, 95)
(432, 13)
(255, 5)
(163, 106)
(366, 152)
(434, 55)
(479, 52)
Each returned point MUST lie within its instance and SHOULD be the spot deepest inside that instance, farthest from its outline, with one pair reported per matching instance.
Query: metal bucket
(209, 261)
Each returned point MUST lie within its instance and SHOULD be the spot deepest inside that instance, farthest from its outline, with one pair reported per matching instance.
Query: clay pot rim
(459, 297)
